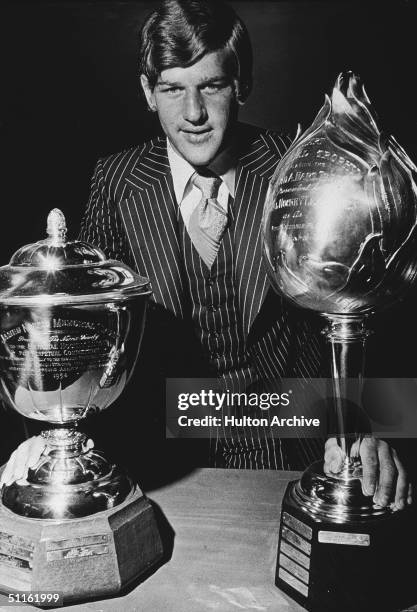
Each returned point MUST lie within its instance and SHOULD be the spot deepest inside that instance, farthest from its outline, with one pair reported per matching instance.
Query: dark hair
(180, 32)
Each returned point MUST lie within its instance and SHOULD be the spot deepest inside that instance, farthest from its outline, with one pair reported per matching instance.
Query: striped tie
(209, 219)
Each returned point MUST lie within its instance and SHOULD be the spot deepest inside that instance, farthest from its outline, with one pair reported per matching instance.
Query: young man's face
(196, 107)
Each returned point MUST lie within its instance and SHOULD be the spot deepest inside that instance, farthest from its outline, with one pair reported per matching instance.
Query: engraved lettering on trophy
(338, 537)
(292, 202)
(296, 539)
(15, 562)
(73, 346)
(15, 551)
(16, 540)
(294, 582)
(77, 552)
(293, 567)
(75, 542)
(295, 554)
(297, 525)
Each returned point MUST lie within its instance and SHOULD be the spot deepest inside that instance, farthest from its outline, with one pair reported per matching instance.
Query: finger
(37, 449)
(8, 470)
(89, 444)
(22, 453)
(387, 476)
(369, 458)
(333, 456)
(410, 494)
(355, 450)
(401, 491)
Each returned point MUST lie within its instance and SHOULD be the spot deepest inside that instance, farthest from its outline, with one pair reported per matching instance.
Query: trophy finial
(56, 227)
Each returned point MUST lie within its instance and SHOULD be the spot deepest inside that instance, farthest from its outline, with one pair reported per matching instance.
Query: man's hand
(384, 476)
(26, 456)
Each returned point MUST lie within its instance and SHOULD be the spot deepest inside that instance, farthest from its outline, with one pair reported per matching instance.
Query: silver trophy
(340, 238)
(71, 324)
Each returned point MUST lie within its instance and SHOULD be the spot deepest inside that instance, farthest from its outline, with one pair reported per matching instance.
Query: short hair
(180, 32)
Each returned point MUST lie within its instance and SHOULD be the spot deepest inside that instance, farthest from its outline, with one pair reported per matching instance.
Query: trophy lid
(56, 271)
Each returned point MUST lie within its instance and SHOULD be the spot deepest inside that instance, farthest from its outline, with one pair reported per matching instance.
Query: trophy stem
(347, 336)
(70, 480)
(65, 441)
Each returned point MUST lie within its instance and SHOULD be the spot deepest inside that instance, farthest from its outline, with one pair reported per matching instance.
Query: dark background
(70, 92)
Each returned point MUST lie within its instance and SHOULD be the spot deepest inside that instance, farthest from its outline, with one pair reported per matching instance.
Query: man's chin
(200, 155)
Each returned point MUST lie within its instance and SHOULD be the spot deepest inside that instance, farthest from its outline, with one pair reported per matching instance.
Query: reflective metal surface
(55, 272)
(70, 482)
(340, 229)
(340, 238)
(339, 499)
(71, 323)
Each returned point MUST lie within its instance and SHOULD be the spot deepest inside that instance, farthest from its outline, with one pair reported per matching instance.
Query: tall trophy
(71, 323)
(340, 238)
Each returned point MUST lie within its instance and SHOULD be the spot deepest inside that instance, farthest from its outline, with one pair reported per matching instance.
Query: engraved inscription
(297, 525)
(310, 178)
(16, 540)
(15, 562)
(77, 552)
(16, 551)
(295, 539)
(56, 348)
(292, 581)
(338, 537)
(101, 538)
(292, 567)
(295, 554)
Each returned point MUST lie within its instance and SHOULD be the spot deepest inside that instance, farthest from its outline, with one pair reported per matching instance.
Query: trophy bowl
(340, 238)
(71, 324)
(339, 227)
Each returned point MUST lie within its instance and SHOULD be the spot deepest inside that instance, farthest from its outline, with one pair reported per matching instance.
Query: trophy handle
(346, 336)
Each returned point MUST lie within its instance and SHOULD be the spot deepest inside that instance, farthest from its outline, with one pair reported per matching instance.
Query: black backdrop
(70, 91)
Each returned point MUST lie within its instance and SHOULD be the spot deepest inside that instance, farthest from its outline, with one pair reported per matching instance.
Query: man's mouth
(197, 136)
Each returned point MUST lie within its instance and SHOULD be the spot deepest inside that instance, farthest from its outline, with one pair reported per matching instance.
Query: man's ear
(148, 91)
(239, 95)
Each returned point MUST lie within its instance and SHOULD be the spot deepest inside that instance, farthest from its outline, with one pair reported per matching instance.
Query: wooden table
(224, 551)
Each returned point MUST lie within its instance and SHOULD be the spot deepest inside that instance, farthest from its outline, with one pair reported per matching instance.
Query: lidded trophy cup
(340, 238)
(71, 324)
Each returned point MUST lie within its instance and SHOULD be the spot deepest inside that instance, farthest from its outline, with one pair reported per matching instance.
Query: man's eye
(213, 88)
(172, 90)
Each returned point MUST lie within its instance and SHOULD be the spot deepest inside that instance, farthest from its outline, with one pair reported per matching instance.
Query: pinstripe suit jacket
(132, 215)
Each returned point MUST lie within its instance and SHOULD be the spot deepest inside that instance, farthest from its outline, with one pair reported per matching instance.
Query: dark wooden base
(334, 567)
(95, 556)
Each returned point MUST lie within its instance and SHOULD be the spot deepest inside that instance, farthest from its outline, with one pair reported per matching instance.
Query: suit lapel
(149, 214)
(254, 171)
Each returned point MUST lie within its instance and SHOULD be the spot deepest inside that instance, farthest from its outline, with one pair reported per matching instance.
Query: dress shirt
(188, 195)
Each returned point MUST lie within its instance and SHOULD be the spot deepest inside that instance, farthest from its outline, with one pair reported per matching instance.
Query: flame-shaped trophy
(340, 238)
(71, 323)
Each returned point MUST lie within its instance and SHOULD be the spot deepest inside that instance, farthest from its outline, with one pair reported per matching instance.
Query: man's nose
(194, 108)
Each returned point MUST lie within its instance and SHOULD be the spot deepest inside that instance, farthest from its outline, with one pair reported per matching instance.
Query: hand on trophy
(384, 475)
(26, 456)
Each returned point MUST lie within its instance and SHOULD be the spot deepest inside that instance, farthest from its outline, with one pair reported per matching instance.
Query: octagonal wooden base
(95, 556)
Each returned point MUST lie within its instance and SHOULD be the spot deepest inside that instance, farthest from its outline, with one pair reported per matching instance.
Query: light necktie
(209, 219)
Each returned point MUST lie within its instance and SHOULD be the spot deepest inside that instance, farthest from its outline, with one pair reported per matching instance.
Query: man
(185, 210)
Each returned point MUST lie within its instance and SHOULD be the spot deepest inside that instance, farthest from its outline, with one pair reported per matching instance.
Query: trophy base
(89, 557)
(330, 566)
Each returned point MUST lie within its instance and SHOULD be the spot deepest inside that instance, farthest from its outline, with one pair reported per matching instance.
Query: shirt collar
(224, 165)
